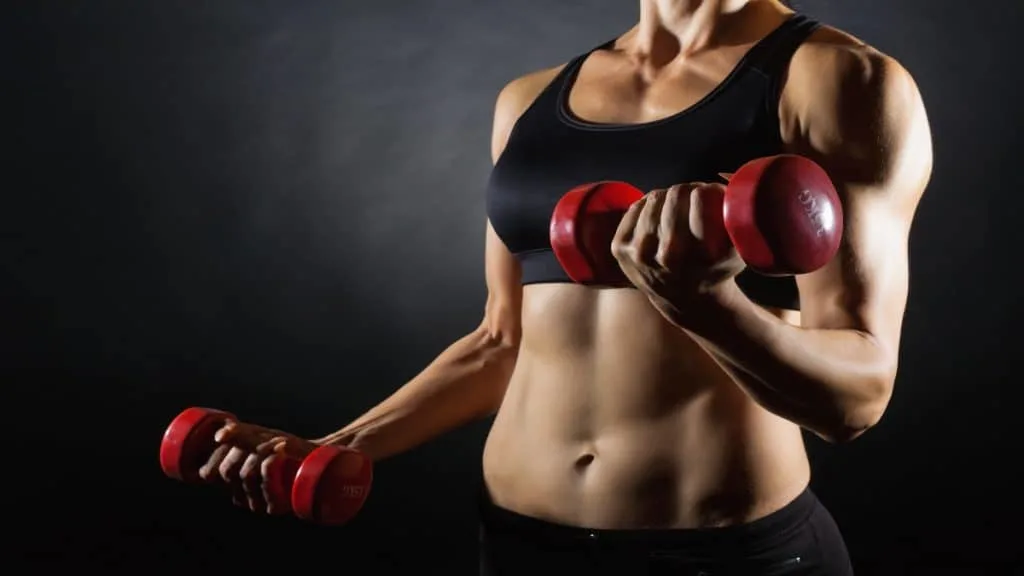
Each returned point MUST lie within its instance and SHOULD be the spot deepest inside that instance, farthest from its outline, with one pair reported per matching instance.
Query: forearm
(465, 383)
(835, 383)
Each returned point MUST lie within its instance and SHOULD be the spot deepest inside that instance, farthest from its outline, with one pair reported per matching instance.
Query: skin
(678, 403)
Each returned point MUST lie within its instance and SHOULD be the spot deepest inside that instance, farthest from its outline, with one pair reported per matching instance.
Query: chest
(613, 88)
(552, 151)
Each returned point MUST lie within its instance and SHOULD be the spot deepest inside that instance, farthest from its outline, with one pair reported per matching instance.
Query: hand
(247, 458)
(673, 246)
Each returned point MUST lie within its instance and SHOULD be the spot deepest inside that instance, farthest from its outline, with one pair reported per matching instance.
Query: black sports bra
(549, 151)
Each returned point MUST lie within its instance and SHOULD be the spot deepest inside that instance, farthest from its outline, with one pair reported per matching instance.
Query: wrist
(340, 438)
(726, 297)
(711, 309)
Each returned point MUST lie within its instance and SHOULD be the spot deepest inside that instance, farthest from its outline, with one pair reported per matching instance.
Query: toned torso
(616, 419)
(613, 417)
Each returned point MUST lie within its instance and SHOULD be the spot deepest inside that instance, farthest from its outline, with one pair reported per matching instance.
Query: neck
(682, 27)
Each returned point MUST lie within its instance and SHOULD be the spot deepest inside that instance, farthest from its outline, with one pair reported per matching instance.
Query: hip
(799, 538)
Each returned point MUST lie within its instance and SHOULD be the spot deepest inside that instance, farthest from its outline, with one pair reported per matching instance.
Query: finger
(232, 464)
(677, 200)
(672, 236)
(252, 482)
(707, 220)
(210, 470)
(256, 477)
(284, 447)
(229, 469)
(650, 214)
(266, 474)
(242, 435)
(260, 452)
(627, 226)
(645, 240)
(226, 432)
(251, 465)
(252, 477)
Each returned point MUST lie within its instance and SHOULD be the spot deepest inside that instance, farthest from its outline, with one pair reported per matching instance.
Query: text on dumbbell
(352, 491)
(819, 213)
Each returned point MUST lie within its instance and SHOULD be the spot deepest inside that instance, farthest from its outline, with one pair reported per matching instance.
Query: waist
(637, 454)
(751, 537)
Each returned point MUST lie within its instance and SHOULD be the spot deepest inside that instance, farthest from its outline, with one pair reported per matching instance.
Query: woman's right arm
(463, 384)
(468, 380)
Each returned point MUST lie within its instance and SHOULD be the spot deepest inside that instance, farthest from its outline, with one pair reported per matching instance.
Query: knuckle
(705, 191)
(266, 464)
(699, 193)
(664, 254)
(248, 473)
(628, 251)
(681, 192)
(228, 468)
(225, 470)
(619, 249)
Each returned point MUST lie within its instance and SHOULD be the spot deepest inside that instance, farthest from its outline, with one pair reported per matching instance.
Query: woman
(656, 429)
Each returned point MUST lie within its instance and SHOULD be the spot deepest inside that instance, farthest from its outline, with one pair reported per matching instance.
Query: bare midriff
(616, 419)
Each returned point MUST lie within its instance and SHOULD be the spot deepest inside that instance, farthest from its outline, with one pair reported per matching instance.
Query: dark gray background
(277, 208)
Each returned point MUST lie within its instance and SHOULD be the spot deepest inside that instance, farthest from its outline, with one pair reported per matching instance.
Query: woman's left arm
(859, 114)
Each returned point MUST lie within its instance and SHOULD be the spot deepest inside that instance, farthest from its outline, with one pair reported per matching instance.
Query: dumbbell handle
(189, 441)
(327, 485)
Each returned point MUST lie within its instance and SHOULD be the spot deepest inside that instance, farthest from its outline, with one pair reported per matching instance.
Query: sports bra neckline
(564, 111)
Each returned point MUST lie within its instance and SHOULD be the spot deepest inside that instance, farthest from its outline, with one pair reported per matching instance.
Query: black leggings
(800, 539)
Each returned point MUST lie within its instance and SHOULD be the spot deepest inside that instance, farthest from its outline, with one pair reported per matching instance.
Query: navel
(583, 462)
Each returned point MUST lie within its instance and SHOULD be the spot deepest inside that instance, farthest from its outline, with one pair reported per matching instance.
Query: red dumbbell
(781, 213)
(331, 485)
(583, 226)
(327, 486)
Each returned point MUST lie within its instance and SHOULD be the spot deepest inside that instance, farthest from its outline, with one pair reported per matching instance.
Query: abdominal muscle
(614, 418)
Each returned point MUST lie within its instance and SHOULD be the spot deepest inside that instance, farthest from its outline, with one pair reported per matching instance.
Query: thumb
(294, 447)
(226, 432)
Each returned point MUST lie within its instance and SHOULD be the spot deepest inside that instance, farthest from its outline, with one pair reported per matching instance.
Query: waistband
(762, 534)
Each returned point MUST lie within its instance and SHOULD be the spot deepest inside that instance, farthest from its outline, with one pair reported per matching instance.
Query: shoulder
(846, 99)
(513, 100)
